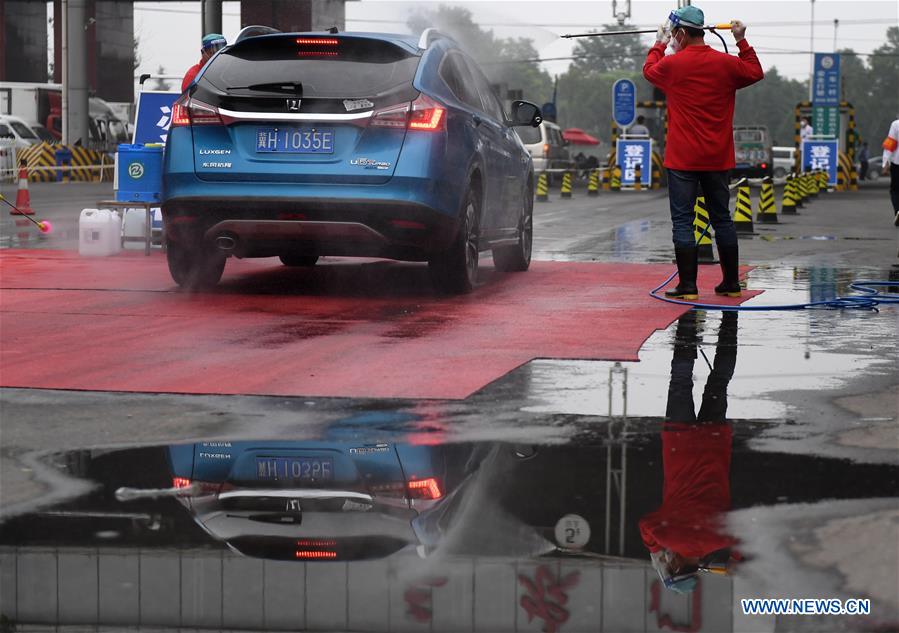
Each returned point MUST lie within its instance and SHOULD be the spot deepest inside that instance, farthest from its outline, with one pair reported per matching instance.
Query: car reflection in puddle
(373, 529)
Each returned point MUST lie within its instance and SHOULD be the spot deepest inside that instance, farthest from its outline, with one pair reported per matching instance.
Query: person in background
(891, 165)
(209, 46)
(863, 162)
(805, 129)
(700, 84)
(639, 128)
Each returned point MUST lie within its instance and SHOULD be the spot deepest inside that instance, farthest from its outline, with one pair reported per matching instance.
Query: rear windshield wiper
(283, 87)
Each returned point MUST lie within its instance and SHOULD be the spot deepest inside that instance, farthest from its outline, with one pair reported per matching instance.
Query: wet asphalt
(765, 443)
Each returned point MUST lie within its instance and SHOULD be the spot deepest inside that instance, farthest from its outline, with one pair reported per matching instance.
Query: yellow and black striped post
(616, 178)
(841, 179)
(593, 183)
(767, 207)
(542, 187)
(788, 205)
(743, 210)
(853, 178)
(824, 181)
(809, 189)
(605, 177)
(638, 178)
(802, 188)
(813, 183)
(700, 222)
(566, 185)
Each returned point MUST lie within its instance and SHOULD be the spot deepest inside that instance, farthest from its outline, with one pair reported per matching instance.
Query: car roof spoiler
(254, 31)
(429, 36)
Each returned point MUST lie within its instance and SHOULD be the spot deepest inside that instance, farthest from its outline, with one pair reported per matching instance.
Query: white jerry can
(134, 229)
(99, 233)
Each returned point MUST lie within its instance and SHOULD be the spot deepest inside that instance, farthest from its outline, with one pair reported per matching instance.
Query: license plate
(295, 140)
(295, 468)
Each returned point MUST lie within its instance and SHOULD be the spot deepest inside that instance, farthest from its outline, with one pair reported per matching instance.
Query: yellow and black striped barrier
(743, 208)
(542, 187)
(788, 206)
(616, 178)
(767, 207)
(802, 188)
(853, 179)
(813, 183)
(823, 181)
(86, 165)
(566, 185)
(841, 179)
(593, 183)
(700, 222)
(606, 177)
(638, 178)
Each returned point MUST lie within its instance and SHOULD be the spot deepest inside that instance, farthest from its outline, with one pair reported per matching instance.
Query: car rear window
(529, 135)
(749, 136)
(312, 67)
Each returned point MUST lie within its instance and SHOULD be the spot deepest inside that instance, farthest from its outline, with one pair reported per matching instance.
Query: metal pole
(64, 57)
(836, 25)
(212, 16)
(811, 62)
(75, 83)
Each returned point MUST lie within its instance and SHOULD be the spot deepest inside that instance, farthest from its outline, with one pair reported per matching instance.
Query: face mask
(674, 45)
(802, 124)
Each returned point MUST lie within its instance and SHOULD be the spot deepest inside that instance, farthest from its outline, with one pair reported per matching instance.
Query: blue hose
(868, 300)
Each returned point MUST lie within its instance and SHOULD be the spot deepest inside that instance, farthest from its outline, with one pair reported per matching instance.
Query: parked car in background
(783, 159)
(752, 152)
(300, 145)
(41, 132)
(14, 128)
(547, 148)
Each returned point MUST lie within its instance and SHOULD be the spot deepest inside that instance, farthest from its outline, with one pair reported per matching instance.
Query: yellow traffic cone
(788, 206)
(743, 209)
(767, 207)
(566, 185)
(593, 183)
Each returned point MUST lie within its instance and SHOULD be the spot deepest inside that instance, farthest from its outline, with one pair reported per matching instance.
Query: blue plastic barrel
(139, 173)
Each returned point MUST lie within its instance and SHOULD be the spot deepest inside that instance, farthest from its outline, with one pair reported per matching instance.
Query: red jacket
(696, 492)
(190, 74)
(700, 85)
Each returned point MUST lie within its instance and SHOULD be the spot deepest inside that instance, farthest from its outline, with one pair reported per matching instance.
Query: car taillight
(764, 165)
(546, 150)
(427, 115)
(391, 117)
(201, 487)
(318, 41)
(305, 554)
(187, 111)
(424, 488)
(180, 482)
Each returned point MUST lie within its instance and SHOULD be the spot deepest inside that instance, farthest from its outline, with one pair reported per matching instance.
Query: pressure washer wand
(43, 225)
(722, 27)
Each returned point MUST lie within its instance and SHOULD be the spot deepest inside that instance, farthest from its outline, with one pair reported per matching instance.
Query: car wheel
(194, 266)
(780, 172)
(455, 270)
(298, 260)
(517, 258)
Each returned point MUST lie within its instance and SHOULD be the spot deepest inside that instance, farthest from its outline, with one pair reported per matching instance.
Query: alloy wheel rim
(471, 242)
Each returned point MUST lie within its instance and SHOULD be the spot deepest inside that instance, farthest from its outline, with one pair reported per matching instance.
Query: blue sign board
(549, 111)
(826, 89)
(154, 116)
(631, 153)
(624, 102)
(822, 155)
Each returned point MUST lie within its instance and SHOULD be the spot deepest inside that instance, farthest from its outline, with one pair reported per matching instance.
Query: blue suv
(300, 145)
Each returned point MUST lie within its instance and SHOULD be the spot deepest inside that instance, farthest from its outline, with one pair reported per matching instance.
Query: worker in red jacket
(700, 85)
(210, 45)
(687, 533)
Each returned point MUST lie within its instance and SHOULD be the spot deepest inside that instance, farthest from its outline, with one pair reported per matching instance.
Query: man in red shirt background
(209, 46)
(700, 85)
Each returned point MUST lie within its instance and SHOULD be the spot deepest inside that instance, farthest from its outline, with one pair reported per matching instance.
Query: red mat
(344, 328)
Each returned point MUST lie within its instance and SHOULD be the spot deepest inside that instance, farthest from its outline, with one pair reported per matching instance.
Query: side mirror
(525, 113)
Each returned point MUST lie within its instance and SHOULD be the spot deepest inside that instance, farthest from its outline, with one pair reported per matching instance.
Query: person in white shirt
(891, 164)
(639, 128)
(805, 129)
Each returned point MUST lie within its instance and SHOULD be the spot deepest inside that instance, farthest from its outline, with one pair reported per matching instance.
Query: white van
(547, 147)
(14, 128)
(783, 158)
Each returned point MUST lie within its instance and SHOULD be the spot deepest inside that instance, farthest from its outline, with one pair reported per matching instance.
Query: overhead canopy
(577, 136)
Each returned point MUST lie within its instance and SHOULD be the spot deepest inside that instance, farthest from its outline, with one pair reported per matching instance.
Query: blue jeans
(683, 188)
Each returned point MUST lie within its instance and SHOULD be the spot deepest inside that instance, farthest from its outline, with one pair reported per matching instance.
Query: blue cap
(214, 40)
(688, 16)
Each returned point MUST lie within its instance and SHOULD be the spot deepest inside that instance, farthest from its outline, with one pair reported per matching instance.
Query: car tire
(194, 266)
(455, 270)
(517, 258)
(298, 261)
(780, 172)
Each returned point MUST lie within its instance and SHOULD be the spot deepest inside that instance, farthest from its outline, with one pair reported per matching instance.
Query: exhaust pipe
(225, 243)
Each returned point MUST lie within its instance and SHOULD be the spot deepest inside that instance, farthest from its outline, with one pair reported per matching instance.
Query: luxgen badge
(368, 163)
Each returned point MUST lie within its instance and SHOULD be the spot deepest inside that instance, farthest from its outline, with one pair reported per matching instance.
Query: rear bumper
(265, 227)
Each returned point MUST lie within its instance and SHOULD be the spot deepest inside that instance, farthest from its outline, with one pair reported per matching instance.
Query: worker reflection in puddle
(686, 534)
